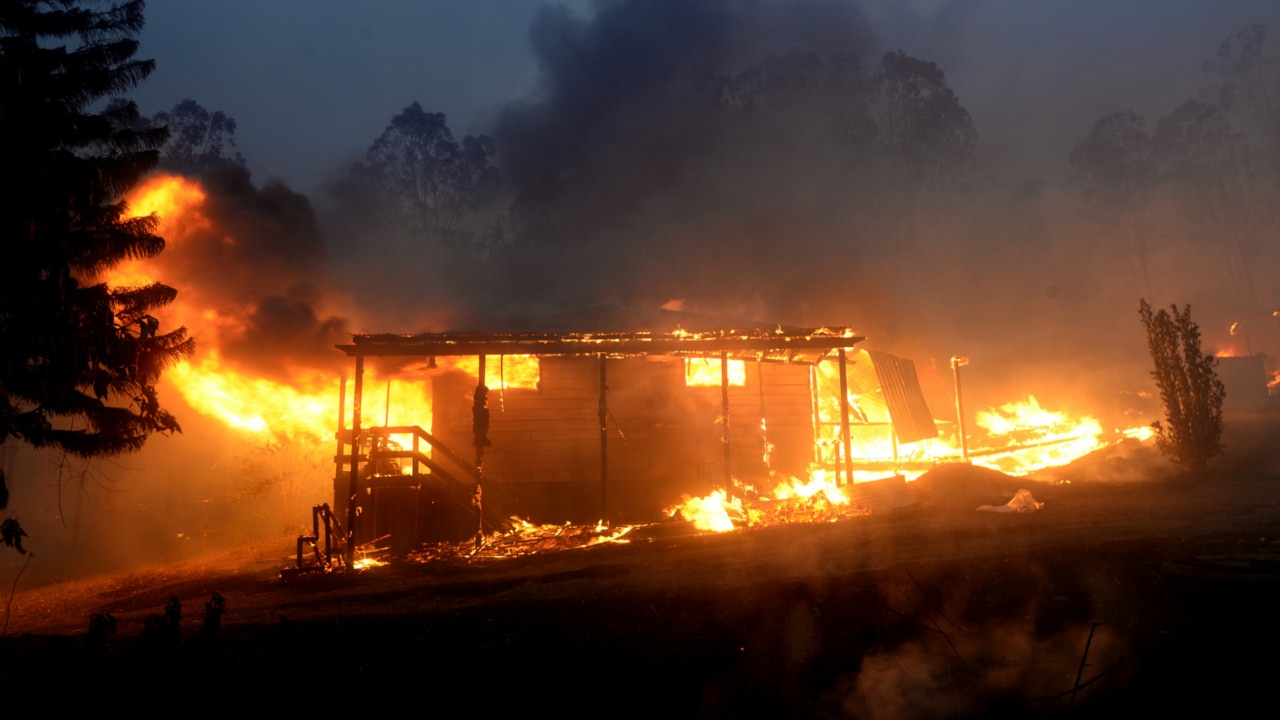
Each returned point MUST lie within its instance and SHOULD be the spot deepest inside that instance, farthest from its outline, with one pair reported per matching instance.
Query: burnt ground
(932, 610)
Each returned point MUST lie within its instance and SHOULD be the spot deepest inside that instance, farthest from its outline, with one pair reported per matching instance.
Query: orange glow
(366, 563)
(705, 372)
(506, 371)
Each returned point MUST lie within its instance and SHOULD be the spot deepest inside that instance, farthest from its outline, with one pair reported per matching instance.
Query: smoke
(693, 151)
(730, 156)
(637, 174)
(257, 263)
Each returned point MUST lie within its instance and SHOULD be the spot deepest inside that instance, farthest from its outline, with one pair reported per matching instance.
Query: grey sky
(312, 82)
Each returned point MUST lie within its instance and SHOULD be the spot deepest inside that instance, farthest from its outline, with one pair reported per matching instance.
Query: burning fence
(750, 426)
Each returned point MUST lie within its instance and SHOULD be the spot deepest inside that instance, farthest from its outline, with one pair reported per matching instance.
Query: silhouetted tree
(1250, 84)
(1190, 390)
(429, 177)
(1206, 164)
(199, 140)
(1114, 171)
(777, 83)
(922, 125)
(79, 359)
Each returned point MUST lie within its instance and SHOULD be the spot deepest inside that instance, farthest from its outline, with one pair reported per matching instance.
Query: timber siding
(664, 438)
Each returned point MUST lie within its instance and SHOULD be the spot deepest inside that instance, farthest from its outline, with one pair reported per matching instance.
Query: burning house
(614, 426)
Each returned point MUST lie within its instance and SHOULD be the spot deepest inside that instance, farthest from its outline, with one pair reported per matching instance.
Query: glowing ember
(367, 562)
(524, 538)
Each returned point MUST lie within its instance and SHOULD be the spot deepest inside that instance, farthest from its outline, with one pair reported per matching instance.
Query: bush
(1190, 390)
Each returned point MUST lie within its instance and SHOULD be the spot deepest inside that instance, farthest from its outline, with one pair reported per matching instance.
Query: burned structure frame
(801, 346)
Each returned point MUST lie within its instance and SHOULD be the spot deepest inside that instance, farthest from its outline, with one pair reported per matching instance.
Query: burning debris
(523, 538)
(818, 499)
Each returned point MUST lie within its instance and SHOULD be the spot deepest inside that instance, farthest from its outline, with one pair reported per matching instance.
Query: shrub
(1190, 390)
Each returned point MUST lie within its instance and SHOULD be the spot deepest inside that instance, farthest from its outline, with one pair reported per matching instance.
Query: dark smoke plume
(785, 162)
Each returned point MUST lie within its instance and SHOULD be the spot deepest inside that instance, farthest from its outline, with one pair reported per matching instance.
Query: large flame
(302, 405)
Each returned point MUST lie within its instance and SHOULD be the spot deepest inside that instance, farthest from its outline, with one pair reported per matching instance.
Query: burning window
(705, 372)
(502, 371)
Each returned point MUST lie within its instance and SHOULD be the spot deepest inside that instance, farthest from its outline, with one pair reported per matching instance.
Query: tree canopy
(199, 140)
(1206, 158)
(79, 359)
(430, 177)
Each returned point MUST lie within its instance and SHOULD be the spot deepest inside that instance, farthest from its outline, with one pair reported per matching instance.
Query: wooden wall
(664, 438)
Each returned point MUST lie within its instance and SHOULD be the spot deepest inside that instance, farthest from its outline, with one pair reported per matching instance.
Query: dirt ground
(1170, 583)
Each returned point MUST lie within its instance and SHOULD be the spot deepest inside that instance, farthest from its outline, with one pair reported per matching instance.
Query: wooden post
(479, 382)
(956, 363)
(844, 419)
(604, 442)
(724, 420)
(478, 497)
(765, 455)
(815, 411)
(353, 488)
(342, 425)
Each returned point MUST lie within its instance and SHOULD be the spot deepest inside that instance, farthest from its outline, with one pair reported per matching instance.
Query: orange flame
(303, 405)
(1036, 438)
(818, 499)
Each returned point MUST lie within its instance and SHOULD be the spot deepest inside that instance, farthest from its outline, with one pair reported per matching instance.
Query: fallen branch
(931, 627)
(932, 606)
(8, 606)
(1072, 692)
(1083, 659)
